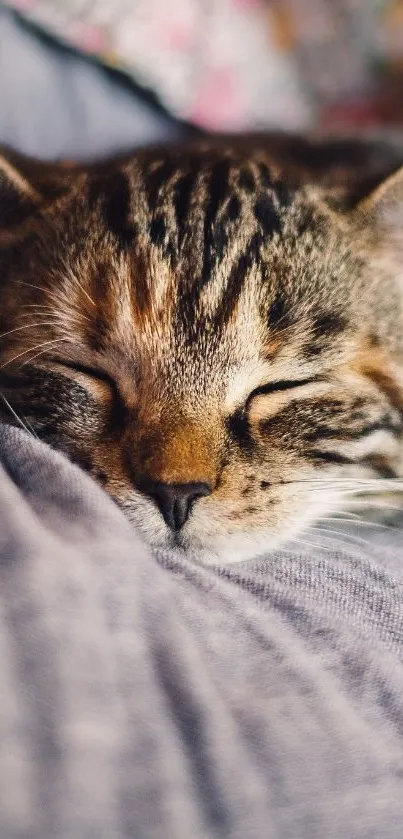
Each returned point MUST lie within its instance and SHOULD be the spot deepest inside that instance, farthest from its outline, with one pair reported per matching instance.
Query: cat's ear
(382, 208)
(26, 184)
(12, 179)
(18, 195)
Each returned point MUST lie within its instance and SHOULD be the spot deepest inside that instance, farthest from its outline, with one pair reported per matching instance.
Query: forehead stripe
(217, 193)
(112, 194)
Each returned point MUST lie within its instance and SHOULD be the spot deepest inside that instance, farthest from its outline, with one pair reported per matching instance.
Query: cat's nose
(174, 500)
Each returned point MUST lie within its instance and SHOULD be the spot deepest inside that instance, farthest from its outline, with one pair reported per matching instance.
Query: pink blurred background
(242, 64)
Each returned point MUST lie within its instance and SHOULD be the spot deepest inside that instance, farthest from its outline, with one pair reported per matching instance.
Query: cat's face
(216, 348)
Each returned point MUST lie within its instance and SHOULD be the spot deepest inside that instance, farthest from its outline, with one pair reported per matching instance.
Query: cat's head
(213, 339)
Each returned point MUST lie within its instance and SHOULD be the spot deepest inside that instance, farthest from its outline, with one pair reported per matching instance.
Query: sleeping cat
(214, 332)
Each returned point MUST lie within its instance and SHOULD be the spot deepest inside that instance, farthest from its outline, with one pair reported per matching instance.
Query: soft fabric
(214, 63)
(55, 104)
(241, 64)
(145, 696)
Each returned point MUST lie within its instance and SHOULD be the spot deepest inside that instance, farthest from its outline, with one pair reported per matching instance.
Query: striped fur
(209, 314)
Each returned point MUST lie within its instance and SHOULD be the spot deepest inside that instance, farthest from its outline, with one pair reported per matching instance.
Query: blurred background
(84, 78)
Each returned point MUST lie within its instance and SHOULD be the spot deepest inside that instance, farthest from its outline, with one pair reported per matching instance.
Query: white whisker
(27, 326)
(24, 352)
(349, 481)
(299, 541)
(350, 536)
(359, 523)
(59, 298)
(30, 427)
(72, 277)
(378, 504)
(37, 355)
(351, 516)
(85, 292)
(41, 311)
(363, 489)
(15, 415)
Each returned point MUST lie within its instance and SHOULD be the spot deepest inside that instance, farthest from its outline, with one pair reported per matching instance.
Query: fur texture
(220, 315)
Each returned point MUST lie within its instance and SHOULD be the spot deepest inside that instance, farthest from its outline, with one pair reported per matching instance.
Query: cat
(214, 331)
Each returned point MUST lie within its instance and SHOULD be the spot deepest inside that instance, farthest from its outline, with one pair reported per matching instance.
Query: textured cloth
(242, 64)
(146, 697)
(55, 104)
(214, 62)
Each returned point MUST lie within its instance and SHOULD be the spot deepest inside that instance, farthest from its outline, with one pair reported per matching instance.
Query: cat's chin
(207, 540)
(224, 550)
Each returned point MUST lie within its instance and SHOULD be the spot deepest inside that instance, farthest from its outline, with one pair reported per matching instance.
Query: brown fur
(158, 312)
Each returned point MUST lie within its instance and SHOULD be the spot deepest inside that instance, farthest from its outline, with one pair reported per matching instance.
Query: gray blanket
(55, 104)
(147, 697)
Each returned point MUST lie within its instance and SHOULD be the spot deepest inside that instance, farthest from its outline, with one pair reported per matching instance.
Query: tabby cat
(214, 332)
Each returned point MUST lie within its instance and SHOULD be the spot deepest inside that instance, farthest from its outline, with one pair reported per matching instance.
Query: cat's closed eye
(99, 383)
(91, 373)
(268, 399)
(281, 386)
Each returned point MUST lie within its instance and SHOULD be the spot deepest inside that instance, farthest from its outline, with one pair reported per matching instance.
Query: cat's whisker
(297, 541)
(32, 285)
(30, 426)
(347, 514)
(74, 278)
(33, 358)
(74, 317)
(27, 326)
(41, 311)
(17, 418)
(58, 298)
(339, 484)
(380, 505)
(37, 307)
(354, 481)
(82, 289)
(30, 349)
(375, 490)
(61, 301)
(38, 354)
(387, 485)
(355, 522)
(333, 532)
(334, 488)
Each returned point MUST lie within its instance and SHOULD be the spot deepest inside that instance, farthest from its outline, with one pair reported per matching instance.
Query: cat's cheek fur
(216, 536)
